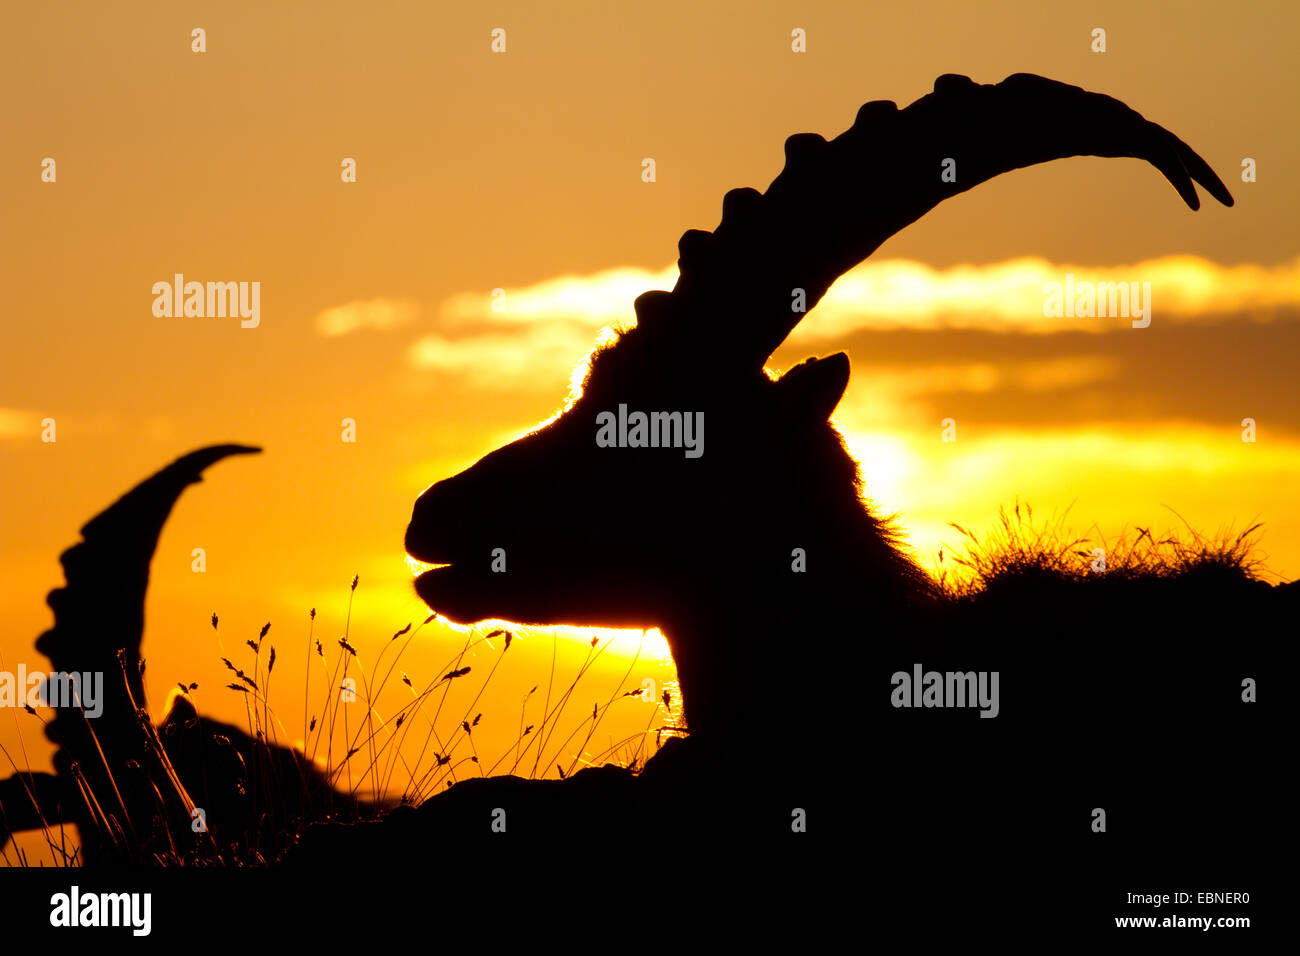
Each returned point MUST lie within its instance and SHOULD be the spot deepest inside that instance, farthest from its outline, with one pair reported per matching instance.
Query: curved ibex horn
(99, 614)
(835, 202)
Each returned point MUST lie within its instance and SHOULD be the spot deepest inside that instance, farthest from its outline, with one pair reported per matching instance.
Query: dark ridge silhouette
(119, 758)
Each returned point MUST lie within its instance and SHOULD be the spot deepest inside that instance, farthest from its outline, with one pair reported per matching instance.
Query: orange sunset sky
(523, 171)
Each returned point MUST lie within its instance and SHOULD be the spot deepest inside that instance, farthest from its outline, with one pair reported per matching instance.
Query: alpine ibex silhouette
(706, 548)
(98, 627)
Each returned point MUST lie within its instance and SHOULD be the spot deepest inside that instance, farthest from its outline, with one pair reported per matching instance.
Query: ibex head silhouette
(709, 548)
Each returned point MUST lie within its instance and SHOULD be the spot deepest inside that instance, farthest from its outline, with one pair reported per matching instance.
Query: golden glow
(418, 567)
(1114, 476)
(379, 315)
(888, 465)
(603, 298)
(377, 299)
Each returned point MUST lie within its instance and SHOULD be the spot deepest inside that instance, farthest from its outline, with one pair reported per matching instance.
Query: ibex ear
(816, 386)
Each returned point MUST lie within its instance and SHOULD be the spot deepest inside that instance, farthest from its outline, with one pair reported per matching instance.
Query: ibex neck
(767, 656)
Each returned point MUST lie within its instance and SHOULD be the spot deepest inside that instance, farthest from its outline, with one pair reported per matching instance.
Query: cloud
(542, 353)
(881, 397)
(603, 298)
(378, 314)
(1009, 296)
(539, 331)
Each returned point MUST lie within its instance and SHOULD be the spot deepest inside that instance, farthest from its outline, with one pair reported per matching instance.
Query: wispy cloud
(543, 329)
(882, 397)
(377, 314)
(1009, 296)
(538, 332)
(602, 298)
(502, 360)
